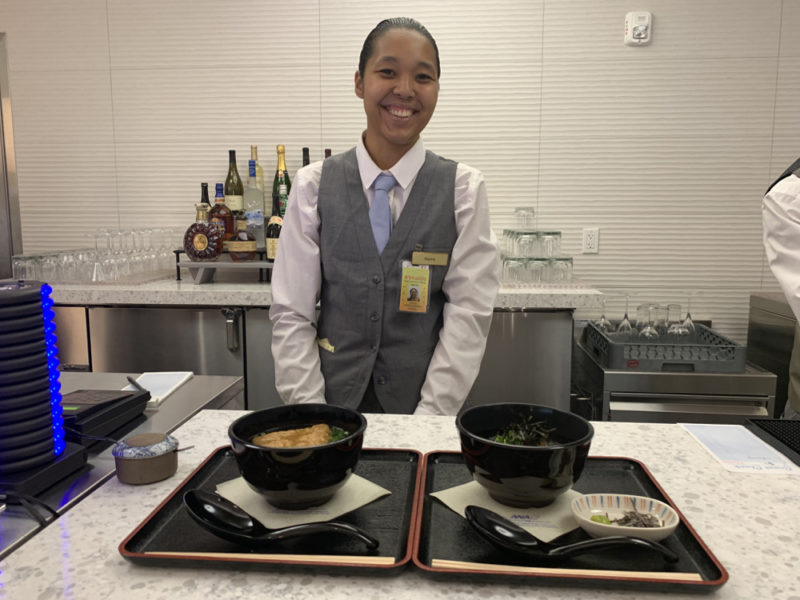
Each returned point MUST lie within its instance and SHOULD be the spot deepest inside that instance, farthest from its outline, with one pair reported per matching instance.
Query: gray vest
(360, 295)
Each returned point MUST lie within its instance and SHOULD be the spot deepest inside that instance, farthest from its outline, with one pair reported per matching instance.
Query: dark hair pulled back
(395, 23)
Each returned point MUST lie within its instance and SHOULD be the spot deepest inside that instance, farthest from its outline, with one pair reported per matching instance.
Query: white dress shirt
(470, 285)
(781, 218)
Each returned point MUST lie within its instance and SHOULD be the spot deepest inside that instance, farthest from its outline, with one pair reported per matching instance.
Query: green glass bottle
(281, 185)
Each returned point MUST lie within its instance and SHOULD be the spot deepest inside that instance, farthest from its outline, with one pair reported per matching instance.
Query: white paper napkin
(546, 523)
(355, 493)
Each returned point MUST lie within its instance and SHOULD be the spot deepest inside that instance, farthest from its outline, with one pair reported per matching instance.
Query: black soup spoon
(509, 536)
(225, 519)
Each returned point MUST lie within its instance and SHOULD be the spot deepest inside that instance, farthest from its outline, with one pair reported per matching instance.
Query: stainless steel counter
(200, 392)
(180, 326)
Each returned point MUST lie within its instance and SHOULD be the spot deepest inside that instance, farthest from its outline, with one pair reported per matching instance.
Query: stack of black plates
(26, 422)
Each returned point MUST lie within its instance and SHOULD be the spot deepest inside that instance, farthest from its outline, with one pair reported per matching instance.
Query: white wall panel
(657, 97)
(52, 35)
(166, 105)
(790, 23)
(153, 34)
(65, 156)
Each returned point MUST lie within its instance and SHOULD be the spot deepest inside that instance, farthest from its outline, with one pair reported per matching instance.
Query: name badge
(438, 259)
(414, 288)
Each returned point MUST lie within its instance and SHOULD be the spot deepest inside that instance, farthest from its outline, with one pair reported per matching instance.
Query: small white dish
(614, 506)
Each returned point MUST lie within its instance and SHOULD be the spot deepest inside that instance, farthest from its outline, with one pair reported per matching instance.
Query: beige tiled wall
(121, 108)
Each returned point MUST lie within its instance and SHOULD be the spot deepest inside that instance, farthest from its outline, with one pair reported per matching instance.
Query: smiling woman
(363, 226)
(398, 80)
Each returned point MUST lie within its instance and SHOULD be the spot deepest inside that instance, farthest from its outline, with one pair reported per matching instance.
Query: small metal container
(146, 458)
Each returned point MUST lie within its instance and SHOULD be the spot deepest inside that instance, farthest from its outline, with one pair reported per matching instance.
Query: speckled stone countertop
(749, 522)
(169, 292)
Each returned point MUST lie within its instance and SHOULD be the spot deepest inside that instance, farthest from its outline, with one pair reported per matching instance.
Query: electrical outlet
(591, 240)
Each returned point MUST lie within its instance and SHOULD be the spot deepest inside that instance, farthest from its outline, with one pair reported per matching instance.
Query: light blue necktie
(380, 213)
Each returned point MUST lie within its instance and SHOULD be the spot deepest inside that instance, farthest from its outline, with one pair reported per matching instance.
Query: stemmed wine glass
(603, 324)
(624, 327)
(688, 323)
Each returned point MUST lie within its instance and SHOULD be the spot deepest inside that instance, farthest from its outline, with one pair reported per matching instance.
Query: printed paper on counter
(740, 450)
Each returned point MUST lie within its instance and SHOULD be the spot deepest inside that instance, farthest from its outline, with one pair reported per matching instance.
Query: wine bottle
(234, 189)
(254, 206)
(221, 216)
(274, 227)
(202, 240)
(243, 245)
(204, 195)
(306, 157)
(281, 184)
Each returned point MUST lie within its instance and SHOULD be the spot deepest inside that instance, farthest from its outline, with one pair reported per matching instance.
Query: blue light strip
(56, 412)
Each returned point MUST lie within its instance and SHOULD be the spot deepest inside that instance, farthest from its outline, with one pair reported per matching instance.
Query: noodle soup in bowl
(524, 454)
(301, 476)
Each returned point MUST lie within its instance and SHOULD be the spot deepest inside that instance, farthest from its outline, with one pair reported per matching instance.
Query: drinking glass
(22, 267)
(67, 267)
(675, 325)
(514, 272)
(642, 316)
(524, 217)
(551, 244)
(526, 245)
(561, 269)
(648, 330)
(659, 318)
(505, 242)
(537, 270)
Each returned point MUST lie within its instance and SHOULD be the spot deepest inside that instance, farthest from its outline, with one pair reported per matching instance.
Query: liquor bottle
(221, 216)
(234, 189)
(327, 152)
(259, 169)
(254, 206)
(204, 195)
(243, 245)
(274, 227)
(281, 185)
(202, 240)
(306, 157)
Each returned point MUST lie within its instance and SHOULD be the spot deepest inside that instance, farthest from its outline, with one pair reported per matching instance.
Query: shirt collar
(404, 170)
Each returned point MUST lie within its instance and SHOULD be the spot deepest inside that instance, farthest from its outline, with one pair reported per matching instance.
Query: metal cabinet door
(260, 368)
(72, 338)
(207, 341)
(528, 359)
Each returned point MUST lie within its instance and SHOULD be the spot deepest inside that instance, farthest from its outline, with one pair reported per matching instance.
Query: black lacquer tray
(169, 536)
(446, 545)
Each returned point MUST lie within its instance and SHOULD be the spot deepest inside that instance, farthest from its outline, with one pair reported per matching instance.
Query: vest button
(376, 279)
(381, 380)
(374, 317)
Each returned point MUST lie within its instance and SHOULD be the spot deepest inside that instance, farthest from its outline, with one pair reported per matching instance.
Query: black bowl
(524, 476)
(296, 478)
